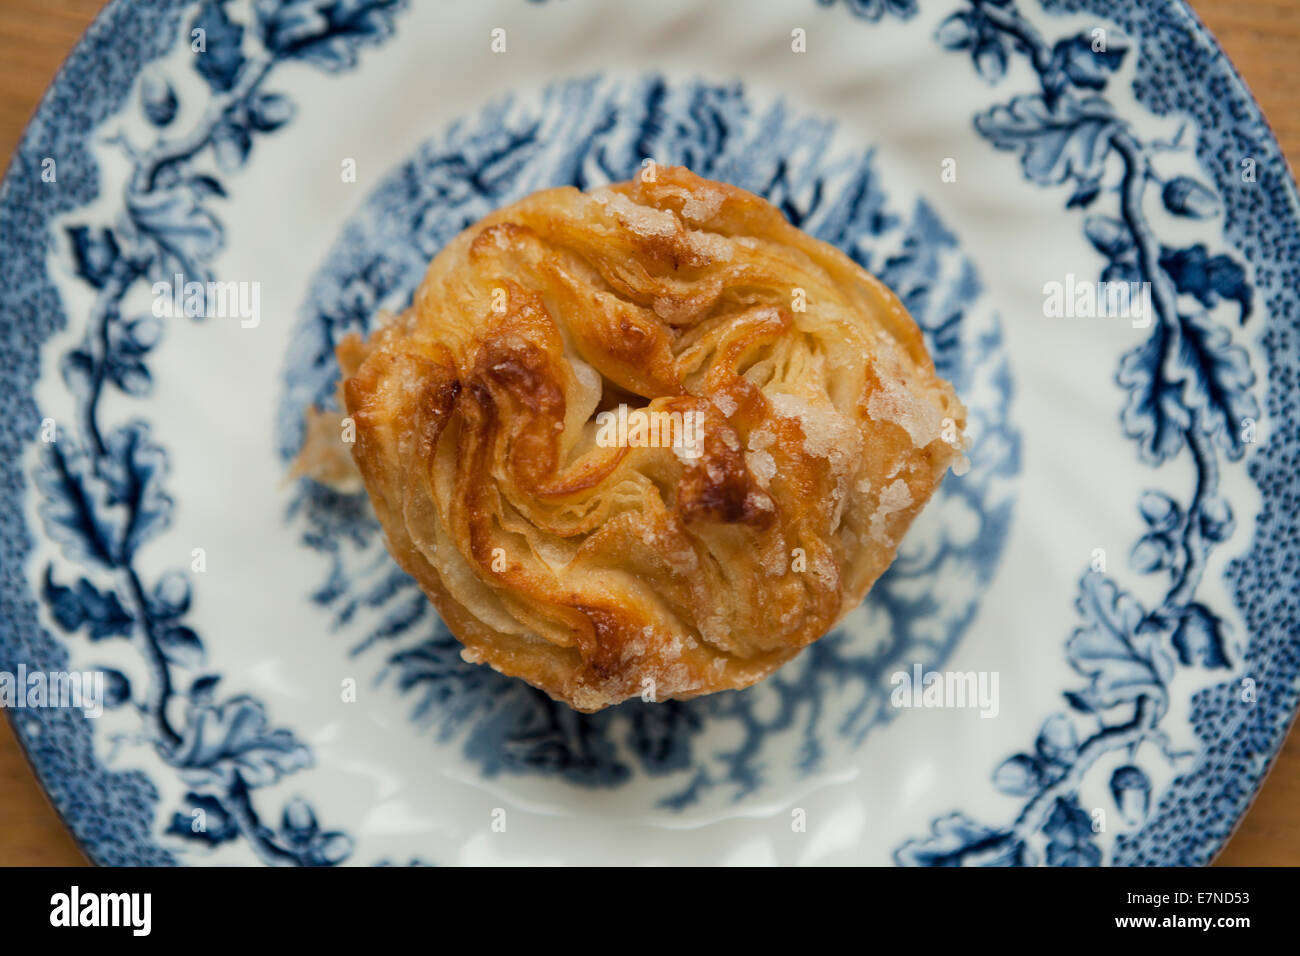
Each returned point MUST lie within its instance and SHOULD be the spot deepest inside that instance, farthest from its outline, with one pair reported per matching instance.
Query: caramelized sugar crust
(598, 573)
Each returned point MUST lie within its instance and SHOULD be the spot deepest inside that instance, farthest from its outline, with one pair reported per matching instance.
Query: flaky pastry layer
(600, 568)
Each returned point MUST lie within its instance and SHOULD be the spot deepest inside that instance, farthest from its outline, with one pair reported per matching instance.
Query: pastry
(645, 441)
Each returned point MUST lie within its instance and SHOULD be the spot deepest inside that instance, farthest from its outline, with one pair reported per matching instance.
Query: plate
(1086, 651)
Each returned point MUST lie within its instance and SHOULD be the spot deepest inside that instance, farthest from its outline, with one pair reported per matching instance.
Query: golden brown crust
(599, 573)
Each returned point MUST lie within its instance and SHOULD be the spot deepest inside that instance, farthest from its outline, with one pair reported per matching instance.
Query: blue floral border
(102, 488)
(1189, 391)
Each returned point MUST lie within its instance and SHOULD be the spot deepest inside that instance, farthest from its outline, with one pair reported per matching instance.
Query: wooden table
(1261, 36)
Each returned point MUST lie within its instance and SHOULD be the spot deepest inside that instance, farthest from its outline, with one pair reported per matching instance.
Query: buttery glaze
(600, 573)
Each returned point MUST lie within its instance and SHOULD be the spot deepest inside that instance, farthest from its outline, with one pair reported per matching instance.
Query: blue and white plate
(1087, 650)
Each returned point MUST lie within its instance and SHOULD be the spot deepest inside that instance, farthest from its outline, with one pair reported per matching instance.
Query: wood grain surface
(1262, 37)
